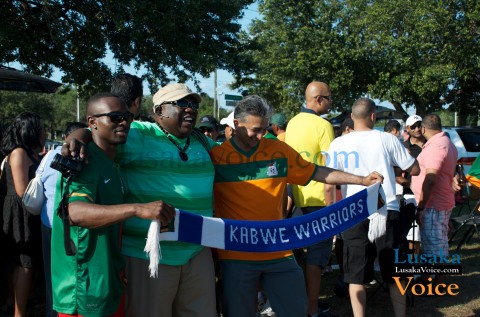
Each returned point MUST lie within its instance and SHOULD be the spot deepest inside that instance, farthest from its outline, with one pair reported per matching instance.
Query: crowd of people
(95, 218)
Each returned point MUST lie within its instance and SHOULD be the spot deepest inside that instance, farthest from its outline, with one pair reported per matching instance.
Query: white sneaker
(267, 312)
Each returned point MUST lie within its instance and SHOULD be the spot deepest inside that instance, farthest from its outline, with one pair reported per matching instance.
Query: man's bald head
(316, 88)
(318, 97)
(363, 108)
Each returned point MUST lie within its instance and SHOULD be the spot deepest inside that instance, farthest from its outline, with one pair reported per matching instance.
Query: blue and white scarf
(264, 236)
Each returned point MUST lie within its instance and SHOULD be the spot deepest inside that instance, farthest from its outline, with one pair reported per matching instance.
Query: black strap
(62, 212)
(198, 134)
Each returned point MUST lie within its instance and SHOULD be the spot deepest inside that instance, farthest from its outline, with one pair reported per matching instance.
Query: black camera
(66, 166)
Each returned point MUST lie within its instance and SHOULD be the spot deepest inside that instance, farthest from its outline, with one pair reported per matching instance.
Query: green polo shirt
(152, 170)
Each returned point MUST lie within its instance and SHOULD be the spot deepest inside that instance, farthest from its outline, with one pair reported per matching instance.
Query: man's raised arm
(334, 177)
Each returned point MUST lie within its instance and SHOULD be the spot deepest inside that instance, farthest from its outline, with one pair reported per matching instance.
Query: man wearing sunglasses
(311, 135)
(168, 160)
(413, 144)
(209, 126)
(416, 140)
(89, 282)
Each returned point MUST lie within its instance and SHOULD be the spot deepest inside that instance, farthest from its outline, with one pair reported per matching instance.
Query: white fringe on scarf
(378, 220)
(152, 247)
(378, 224)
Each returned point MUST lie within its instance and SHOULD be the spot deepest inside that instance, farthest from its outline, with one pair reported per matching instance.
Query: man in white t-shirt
(360, 152)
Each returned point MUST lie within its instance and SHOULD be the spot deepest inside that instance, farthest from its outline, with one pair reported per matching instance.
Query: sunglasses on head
(184, 104)
(116, 117)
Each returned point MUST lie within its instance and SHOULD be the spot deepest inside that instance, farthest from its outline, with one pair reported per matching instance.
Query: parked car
(467, 142)
(51, 144)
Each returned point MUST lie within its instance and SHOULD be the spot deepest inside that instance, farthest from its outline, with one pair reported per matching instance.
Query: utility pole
(78, 105)
(215, 100)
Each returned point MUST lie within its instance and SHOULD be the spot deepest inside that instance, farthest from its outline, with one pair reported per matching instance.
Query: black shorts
(359, 253)
(318, 253)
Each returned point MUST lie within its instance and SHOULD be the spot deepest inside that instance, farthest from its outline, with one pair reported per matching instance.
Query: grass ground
(465, 304)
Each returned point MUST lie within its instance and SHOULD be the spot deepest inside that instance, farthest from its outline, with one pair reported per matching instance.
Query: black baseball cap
(209, 122)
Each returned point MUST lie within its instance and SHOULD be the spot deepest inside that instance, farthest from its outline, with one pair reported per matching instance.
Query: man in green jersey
(89, 282)
(166, 160)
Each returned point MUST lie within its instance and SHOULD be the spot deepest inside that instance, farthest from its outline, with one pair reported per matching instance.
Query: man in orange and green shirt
(251, 174)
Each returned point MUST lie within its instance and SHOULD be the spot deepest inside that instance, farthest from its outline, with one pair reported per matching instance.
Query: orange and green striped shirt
(250, 186)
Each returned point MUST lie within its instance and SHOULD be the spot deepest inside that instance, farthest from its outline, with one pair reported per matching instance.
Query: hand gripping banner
(265, 236)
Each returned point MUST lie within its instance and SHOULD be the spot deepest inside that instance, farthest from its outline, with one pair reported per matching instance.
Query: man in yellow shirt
(311, 135)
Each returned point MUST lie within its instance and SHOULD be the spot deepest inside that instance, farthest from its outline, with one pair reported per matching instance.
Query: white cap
(412, 119)
(174, 92)
(228, 121)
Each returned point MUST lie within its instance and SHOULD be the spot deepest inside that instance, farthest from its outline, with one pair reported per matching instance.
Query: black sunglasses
(184, 104)
(206, 129)
(416, 126)
(116, 117)
(326, 97)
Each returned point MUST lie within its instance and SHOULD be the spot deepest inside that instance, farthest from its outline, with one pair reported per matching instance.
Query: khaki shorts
(179, 291)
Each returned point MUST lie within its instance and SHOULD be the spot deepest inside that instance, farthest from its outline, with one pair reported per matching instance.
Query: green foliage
(298, 42)
(416, 53)
(447, 117)
(56, 109)
(206, 107)
(184, 37)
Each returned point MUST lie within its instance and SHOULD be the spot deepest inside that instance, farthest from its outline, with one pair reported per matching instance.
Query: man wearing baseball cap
(416, 141)
(278, 122)
(167, 161)
(156, 159)
(209, 126)
(229, 126)
(413, 144)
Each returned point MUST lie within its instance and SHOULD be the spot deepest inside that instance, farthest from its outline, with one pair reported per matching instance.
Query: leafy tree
(183, 37)
(415, 53)
(297, 42)
(56, 109)
(426, 52)
(206, 107)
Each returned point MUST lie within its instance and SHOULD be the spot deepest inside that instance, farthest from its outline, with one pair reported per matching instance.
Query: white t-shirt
(362, 152)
